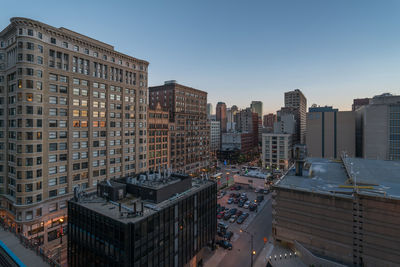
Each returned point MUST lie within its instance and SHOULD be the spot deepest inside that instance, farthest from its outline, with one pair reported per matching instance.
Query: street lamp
(252, 251)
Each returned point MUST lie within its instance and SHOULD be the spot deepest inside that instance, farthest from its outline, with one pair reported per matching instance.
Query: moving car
(225, 244)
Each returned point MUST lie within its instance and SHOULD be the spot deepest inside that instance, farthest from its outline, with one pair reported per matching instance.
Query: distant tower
(221, 115)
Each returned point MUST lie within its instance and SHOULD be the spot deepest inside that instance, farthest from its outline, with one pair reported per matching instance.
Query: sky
(239, 51)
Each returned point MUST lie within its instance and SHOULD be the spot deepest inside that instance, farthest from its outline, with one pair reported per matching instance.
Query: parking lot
(234, 226)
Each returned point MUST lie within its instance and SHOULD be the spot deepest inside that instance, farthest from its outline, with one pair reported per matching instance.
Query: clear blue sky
(240, 51)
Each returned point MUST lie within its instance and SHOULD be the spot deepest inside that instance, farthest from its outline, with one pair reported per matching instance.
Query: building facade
(257, 107)
(276, 151)
(359, 102)
(158, 149)
(215, 136)
(73, 112)
(189, 128)
(209, 110)
(297, 101)
(330, 132)
(221, 115)
(378, 128)
(269, 121)
(134, 230)
(247, 122)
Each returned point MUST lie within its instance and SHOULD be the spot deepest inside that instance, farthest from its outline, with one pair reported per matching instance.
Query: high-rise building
(359, 102)
(269, 121)
(247, 122)
(231, 118)
(73, 112)
(378, 131)
(257, 107)
(330, 132)
(221, 115)
(296, 101)
(215, 136)
(158, 149)
(149, 220)
(209, 110)
(286, 124)
(189, 128)
(276, 151)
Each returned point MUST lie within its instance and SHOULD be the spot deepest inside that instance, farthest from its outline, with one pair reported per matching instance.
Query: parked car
(220, 215)
(241, 203)
(236, 201)
(241, 219)
(227, 216)
(228, 235)
(257, 190)
(233, 218)
(221, 232)
(230, 200)
(239, 212)
(233, 211)
(222, 225)
(246, 205)
(243, 195)
(252, 207)
(232, 194)
(245, 215)
(225, 244)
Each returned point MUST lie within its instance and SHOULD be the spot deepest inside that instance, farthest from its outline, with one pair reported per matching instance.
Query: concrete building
(359, 102)
(330, 132)
(235, 145)
(170, 215)
(73, 112)
(276, 151)
(215, 136)
(257, 107)
(247, 122)
(269, 121)
(378, 128)
(209, 110)
(286, 124)
(319, 209)
(189, 128)
(298, 102)
(158, 147)
(221, 115)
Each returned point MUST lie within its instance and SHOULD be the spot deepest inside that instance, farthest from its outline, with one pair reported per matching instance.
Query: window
(52, 100)
(86, 51)
(53, 40)
(65, 44)
(40, 48)
(30, 32)
(76, 48)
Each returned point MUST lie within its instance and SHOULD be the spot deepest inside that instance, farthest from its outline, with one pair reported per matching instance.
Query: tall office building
(330, 132)
(378, 131)
(247, 122)
(209, 110)
(297, 102)
(158, 145)
(189, 129)
(221, 115)
(215, 136)
(73, 112)
(257, 107)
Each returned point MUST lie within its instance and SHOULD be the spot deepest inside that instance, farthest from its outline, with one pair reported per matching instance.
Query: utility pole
(252, 251)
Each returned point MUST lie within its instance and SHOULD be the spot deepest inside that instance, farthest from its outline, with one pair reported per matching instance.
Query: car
(243, 195)
(240, 220)
(252, 207)
(239, 212)
(233, 218)
(222, 225)
(238, 187)
(225, 244)
(230, 200)
(236, 201)
(221, 232)
(241, 203)
(227, 216)
(232, 194)
(247, 204)
(223, 193)
(228, 235)
(232, 211)
(245, 215)
(265, 191)
(220, 215)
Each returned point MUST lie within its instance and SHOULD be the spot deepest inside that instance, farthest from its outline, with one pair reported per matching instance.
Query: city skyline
(333, 52)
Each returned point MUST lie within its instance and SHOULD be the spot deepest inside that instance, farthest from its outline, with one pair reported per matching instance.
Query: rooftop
(133, 208)
(373, 177)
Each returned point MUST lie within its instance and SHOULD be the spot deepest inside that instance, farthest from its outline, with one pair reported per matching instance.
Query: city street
(258, 224)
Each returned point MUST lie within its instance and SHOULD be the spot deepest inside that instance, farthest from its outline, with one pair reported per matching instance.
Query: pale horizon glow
(239, 51)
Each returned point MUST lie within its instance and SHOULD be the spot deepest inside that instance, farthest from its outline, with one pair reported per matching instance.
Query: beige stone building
(73, 111)
(330, 132)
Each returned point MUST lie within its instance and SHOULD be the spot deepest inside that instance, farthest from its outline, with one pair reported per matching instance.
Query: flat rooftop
(111, 208)
(373, 177)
